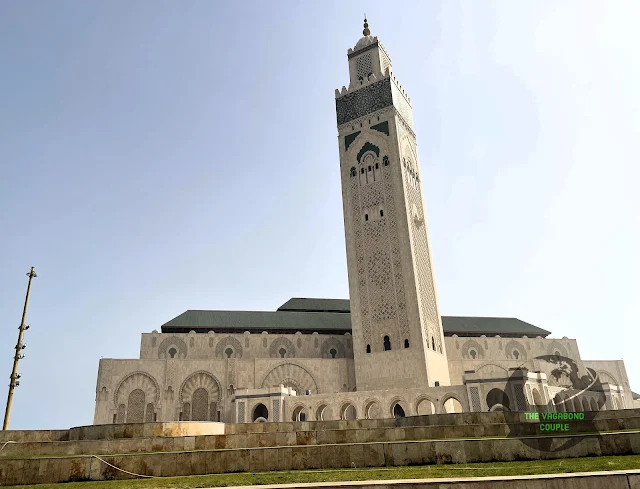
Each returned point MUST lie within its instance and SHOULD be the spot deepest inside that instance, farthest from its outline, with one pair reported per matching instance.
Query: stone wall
(165, 389)
(220, 346)
(495, 355)
(377, 404)
(402, 453)
(131, 438)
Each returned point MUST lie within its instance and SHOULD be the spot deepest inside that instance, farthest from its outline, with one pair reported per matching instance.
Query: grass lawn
(590, 464)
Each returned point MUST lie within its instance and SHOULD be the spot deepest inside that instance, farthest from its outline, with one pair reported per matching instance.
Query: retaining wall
(49, 470)
(296, 438)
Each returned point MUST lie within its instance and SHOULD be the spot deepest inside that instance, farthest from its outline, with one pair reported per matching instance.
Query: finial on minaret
(366, 30)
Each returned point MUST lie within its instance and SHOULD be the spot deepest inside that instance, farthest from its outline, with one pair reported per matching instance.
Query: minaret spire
(366, 30)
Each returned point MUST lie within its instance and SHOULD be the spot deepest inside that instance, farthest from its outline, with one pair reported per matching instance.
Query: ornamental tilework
(475, 399)
(424, 273)
(392, 213)
(521, 402)
(240, 411)
(359, 252)
(364, 101)
(363, 65)
(401, 103)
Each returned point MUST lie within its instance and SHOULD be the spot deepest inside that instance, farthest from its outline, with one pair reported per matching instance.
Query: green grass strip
(589, 464)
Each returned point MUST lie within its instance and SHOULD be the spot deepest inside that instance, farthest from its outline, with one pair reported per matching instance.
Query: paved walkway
(441, 480)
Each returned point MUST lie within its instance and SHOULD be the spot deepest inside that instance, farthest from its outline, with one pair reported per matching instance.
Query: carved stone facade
(391, 280)
(387, 353)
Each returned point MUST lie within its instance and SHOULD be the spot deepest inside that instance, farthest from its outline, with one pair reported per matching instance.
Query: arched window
(406, 343)
(353, 171)
(377, 166)
(362, 171)
(368, 348)
(381, 213)
(433, 344)
(228, 352)
(366, 217)
(333, 352)
(556, 353)
(387, 343)
(369, 167)
(516, 354)
(282, 352)
(398, 412)
(385, 160)
(172, 352)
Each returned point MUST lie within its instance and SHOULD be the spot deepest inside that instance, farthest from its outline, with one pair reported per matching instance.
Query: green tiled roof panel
(331, 315)
(316, 305)
(262, 320)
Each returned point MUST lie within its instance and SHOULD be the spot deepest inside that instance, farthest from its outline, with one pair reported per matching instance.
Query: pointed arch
(368, 147)
(372, 137)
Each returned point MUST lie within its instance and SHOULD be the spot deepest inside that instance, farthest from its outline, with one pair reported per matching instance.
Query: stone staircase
(191, 448)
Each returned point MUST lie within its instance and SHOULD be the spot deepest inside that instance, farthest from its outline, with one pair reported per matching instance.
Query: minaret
(397, 331)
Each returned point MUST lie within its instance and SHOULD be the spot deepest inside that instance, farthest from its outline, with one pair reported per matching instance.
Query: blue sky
(160, 156)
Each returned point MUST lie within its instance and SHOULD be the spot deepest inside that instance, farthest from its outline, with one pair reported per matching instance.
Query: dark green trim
(350, 138)
(368, 147)
(382, 127)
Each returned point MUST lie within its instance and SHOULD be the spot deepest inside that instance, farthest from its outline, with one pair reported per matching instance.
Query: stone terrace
(190, 448)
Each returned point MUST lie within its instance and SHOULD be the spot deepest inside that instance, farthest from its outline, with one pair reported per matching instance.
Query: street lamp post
(19, 347)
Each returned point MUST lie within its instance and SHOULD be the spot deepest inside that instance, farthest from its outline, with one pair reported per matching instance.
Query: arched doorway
(348, 411)
(537, 399)
(452, 405)
(260, 412)
(299, 414)
(398, 411)
(372, 410)
(497, 397)
(425, 406)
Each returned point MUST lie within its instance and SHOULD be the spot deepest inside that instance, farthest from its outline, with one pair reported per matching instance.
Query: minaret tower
(397, 330)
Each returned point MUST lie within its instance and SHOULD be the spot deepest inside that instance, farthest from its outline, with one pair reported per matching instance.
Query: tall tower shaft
(397, 330)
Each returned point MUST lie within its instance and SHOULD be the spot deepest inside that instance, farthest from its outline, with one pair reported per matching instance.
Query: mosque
(387, 352)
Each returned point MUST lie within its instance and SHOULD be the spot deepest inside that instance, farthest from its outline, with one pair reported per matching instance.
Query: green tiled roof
(329, 316)
(258, 321)
(316, 305)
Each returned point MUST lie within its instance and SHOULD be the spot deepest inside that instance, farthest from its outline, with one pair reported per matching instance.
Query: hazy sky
(161, 156)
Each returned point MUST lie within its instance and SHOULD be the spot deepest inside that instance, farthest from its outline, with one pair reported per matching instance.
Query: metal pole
(19, 347)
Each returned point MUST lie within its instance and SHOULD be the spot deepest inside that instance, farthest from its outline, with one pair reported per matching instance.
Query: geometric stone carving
(291, 375)
(514, 350)
(135, 406)
(492, 371)
(282, 348)
(229, 347)
(199, 380)
(172, 345)
(475, 399)
(557, 348)
(332, 348)
(137, 380)
(472, 349)
(364, 101)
